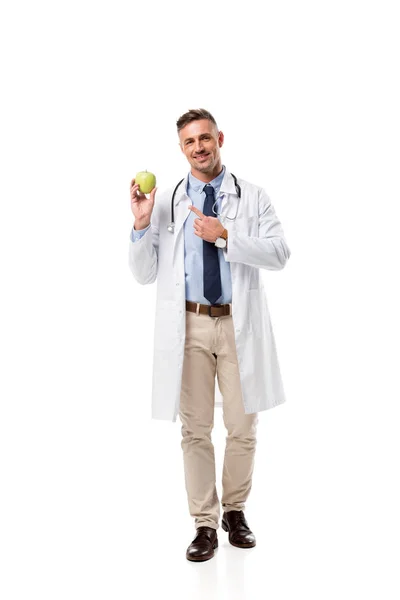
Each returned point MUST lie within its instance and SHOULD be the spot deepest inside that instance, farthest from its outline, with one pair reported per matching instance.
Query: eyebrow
(200, 136)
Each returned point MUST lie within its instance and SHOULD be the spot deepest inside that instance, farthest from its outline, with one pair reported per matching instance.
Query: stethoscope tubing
(171, 226)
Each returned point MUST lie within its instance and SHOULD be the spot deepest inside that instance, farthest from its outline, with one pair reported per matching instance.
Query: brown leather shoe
(203, 545)
(240, 535)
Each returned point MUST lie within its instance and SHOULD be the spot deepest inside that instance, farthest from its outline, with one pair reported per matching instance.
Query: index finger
(132, 182)
(197, 211)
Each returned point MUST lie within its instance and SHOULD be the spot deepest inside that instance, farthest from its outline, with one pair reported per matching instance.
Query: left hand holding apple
(208, 228)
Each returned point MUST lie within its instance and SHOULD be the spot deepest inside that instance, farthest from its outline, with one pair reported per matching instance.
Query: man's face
(200, 142)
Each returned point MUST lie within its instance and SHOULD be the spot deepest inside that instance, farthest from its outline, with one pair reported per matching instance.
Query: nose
(199, 146)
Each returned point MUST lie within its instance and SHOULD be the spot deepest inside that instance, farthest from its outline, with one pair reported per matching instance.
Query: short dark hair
(194, 115)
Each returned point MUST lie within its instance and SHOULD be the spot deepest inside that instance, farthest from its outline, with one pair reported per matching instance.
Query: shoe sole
(202, 558)
(248, 545)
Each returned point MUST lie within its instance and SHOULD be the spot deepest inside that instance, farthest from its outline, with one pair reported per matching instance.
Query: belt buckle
(210, 306)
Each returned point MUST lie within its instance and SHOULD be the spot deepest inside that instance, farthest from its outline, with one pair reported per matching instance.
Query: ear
(220, 139)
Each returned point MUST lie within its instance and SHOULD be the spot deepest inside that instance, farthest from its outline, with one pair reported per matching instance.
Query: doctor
(205, 248)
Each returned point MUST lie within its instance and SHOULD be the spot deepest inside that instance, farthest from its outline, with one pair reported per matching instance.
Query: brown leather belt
(212, 310)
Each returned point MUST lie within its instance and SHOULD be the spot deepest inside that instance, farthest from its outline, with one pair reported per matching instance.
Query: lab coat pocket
(255, 322)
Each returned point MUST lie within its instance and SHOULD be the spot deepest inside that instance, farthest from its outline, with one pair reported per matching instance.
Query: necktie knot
(209, 190)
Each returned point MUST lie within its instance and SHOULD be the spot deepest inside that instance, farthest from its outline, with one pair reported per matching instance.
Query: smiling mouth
(201, 156)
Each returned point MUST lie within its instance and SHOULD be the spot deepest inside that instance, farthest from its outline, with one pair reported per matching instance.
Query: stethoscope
(171, 226)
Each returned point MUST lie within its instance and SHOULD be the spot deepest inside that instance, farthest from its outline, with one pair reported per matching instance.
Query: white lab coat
(255, 241)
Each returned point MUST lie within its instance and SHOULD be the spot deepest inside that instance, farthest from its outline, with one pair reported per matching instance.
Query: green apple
(146, 181)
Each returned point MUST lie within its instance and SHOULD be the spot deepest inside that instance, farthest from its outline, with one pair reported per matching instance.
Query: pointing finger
(197, 211)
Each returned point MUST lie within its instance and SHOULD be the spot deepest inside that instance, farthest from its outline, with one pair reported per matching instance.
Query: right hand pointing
(142, 207)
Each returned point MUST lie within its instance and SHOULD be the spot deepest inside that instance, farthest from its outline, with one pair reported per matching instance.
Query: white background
(93, 503)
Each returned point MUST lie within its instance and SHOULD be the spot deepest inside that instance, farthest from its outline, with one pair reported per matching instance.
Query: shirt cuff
(136, 234)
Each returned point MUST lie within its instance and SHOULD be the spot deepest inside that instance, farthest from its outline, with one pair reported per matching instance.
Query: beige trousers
(210, 350)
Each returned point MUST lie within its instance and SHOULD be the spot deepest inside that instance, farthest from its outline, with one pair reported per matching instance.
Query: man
(205, 242)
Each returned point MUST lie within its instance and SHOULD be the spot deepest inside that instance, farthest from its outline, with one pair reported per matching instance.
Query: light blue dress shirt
(194, 245)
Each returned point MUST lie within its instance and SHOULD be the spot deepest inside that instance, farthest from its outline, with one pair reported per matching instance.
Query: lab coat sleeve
(143, 253)
(268, 250)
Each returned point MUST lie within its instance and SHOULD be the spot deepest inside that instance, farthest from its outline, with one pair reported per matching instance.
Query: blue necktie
(211, 271)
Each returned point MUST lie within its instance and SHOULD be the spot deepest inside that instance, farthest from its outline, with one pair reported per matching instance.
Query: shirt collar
(227, 186)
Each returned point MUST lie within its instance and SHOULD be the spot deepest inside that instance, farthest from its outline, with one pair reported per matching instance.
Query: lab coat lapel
(227, 188)
(181, 213)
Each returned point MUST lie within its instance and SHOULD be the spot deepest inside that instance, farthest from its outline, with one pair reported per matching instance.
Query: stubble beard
(205, 168)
